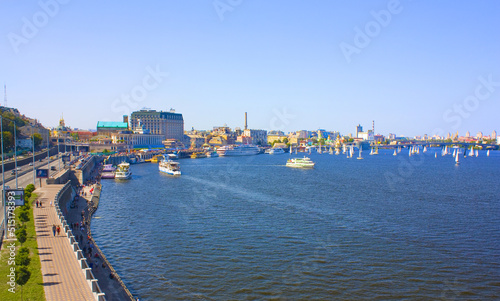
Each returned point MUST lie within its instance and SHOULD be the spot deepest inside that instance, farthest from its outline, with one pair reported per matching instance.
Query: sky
(413, 67)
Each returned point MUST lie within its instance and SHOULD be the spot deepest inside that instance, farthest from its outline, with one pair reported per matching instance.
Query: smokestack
(245, 120)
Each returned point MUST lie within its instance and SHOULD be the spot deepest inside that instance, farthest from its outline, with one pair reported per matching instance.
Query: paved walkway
(63, 278)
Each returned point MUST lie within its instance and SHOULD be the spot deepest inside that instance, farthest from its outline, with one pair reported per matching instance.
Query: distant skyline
(415, 67)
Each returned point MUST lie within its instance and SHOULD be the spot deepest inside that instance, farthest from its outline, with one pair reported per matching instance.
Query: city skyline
(415, 68)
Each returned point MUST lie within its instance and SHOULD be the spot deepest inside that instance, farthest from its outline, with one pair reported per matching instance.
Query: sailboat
(471, 152)
(488, 153)
(477, 153)
(344, 148)
(371, 152)
(409, 152)
(337, 151)
(425, 149)
(291, 149)
(456, 159)
(395, 153)
(360, 157)
(435, 155)
(330, 151)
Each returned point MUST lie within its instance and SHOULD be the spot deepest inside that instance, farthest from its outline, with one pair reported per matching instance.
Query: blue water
(249, 228)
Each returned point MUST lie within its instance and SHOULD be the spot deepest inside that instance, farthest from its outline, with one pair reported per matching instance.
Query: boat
(456, 159)
(477, 153)
(330, 151)
(155, 159)
(211, 154)
(276, 151)
(300, 163)
(197, 155)
(123, 172)
(337, 151)
(170, 167)
(360, 157)
(238, 150)
(425, 149)
(435, 155)
(108, 172)
(488, 153)
(395, 153)
(172, 156)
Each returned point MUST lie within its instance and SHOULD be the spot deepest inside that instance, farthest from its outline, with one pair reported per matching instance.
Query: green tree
(8, 140)
(22, 277)
(23, 259)
(75, 136)
(30, 188)
(21, 235)
(24, 215)
(38, 139)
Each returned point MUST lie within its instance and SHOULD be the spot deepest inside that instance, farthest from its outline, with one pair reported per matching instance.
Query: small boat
(212, 154)
(170, 167)
(300, 163)
(435, 155)
(173, 156)
(395, 153)
(425, 149)
(276, 151)
(197, 155)
(331, 151)
(360, 157)
(488, 153)
(477, 153)
(123, 172)
(108, 172)
(456, 159)
(337, 151)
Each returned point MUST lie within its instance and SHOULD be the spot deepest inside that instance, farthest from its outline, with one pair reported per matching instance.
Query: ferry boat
(170, 167)
(123, 171)
(276, 151)
(300, 163)
(211, 154)
(197, 155)
(108, 172)
(238, 150)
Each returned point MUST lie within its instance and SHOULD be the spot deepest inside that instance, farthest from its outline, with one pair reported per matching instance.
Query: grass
(33, 289)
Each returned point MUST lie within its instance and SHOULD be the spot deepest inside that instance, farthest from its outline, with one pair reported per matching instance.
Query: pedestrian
(54, 229)
(36, 203)
(58, 229)
(41, 204)
(50, 204)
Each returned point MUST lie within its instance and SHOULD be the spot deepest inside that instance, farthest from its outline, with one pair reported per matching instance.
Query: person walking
(58, 230)
(54, 230)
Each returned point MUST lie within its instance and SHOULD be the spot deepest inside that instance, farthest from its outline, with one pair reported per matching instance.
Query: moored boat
(123, 172)
(108, 172)
(238, 150)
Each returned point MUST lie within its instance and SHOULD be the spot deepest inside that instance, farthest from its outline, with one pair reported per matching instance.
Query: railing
(94, 203)
(87, 271)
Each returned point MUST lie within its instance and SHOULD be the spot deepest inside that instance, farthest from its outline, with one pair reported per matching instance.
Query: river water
(249, 228)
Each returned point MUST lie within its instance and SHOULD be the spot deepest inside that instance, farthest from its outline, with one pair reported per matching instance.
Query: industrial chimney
(245, 120)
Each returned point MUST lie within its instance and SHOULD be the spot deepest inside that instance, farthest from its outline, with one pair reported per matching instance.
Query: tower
(245, 120)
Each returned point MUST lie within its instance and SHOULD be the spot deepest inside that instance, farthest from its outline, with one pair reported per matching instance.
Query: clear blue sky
(258, 56)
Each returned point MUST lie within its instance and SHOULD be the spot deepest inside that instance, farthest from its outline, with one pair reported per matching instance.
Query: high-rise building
(168, 124)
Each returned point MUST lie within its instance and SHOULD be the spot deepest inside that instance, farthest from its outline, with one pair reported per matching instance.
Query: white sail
(435, 155)
(488, 153)
(395, 153)
(360, 157)
(456, 159)
(477, 153)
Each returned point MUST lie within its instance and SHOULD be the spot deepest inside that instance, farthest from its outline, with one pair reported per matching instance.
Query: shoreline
(87, 198)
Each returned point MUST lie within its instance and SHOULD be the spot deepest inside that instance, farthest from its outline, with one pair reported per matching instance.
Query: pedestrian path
(63, 278)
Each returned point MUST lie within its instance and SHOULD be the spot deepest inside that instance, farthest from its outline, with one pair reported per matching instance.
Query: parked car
(13, 172)
(31, 164)
(53, 168)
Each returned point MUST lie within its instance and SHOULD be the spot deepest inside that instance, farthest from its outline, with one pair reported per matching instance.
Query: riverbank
(78, 213)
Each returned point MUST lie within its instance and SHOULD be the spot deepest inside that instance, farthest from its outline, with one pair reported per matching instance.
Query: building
(258, 136)
(108, 128)
(275, 136)
(168, 124)
(364, 135)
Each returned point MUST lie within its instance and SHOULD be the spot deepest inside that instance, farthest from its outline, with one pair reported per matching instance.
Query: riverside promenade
(63, 278)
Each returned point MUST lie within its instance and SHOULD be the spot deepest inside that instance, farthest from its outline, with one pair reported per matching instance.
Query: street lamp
(48, 152)
(15, 151)
(33, 137)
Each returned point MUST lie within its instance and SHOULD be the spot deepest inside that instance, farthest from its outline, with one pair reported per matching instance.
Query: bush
(23, 259)
(30, 188)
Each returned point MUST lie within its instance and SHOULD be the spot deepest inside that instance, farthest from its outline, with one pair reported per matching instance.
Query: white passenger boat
(300, 163)
(276, 151)
(123, 172)
(238, 150)
(170, 167)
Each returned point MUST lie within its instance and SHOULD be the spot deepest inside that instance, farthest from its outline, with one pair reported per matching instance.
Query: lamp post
(48, 153)
(58, 151)
(33, 137)
(15, 151)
